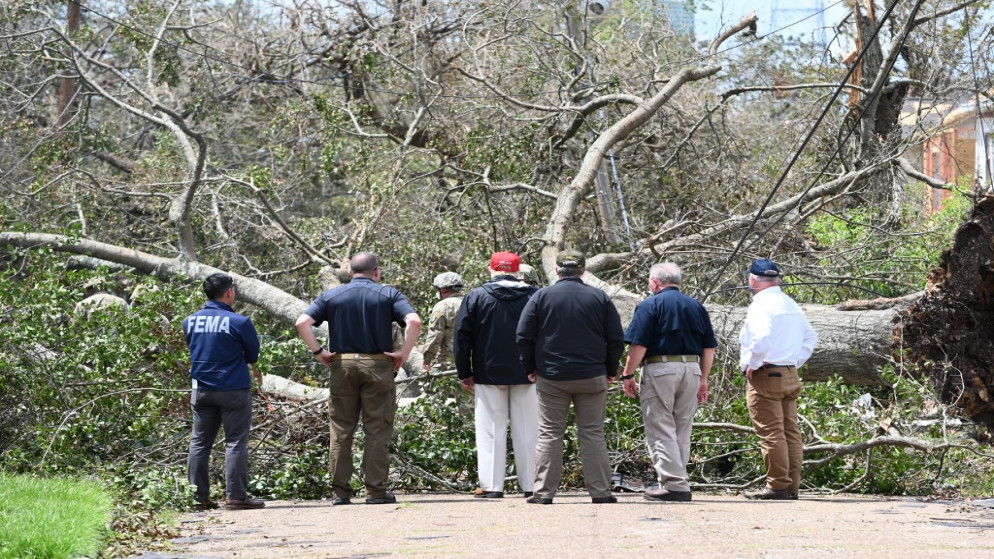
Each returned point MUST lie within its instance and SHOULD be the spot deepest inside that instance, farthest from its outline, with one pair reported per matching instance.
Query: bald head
(364, 264)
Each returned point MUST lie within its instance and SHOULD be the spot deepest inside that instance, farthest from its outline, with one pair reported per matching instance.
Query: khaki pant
(772, 400)
(362, 386)
(589, 399)
(668, 395)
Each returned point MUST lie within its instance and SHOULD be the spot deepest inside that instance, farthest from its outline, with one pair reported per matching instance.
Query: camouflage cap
(571, 259)
(528, 274)
(447, 279)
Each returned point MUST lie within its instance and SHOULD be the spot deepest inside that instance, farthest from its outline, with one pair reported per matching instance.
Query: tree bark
(851, 343)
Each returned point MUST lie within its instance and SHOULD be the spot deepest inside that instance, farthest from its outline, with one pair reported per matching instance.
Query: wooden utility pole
(67, 83)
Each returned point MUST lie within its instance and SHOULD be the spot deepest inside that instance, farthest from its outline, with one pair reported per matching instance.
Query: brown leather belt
(672, 359)
(360, 356)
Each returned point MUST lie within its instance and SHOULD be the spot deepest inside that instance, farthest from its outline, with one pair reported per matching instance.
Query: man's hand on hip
(398, 359)
(325, 357)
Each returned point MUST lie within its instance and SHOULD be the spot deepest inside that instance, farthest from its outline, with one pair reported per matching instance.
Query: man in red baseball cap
(489, 366)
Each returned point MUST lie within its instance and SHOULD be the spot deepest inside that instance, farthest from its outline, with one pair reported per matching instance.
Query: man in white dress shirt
(776, 339)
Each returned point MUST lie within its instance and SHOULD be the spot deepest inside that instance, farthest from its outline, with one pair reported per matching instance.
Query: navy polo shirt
(360, 315)
(222, 345)
(671, 323)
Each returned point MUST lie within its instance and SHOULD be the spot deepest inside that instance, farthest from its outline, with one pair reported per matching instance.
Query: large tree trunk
(853, 340)
(946, 331)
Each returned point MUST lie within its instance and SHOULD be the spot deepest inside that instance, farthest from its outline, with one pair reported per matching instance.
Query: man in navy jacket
(223, 344)
(570, 339)
(489, 366)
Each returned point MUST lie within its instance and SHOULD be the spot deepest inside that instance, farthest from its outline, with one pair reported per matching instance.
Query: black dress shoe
(604, 500)
(243, 504)
(539, 500)
(386, 499)
(340, 501)
(529, 494)
(666, 495)
(769, 494)
(481, 494)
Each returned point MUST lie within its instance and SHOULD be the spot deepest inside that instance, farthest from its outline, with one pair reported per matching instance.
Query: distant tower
(786, 12)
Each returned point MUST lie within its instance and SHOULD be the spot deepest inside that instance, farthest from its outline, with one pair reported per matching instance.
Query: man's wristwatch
(318, 350)
(626, 377)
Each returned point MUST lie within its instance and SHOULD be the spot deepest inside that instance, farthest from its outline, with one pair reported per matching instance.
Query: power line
(810, 134)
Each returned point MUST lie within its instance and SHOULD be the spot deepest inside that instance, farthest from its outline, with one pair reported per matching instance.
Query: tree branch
(571, 195)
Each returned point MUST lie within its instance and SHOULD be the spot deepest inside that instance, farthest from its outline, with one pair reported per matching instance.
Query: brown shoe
(243, 504)
(769, 494)
(209, 505)
(666, 495)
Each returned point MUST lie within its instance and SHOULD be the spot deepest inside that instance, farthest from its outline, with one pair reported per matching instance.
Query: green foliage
(53, 518)
(437, 434)
(624, 432)
(303, 474)
(889, 264)
(90, 386)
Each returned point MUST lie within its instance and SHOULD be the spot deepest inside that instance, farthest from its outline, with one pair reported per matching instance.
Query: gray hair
(766, 280)
(666, 272)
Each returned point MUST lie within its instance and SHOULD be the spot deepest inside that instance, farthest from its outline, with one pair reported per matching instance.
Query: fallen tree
(949, 330)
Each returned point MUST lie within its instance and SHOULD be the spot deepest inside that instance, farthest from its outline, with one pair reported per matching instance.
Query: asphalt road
(712, 525)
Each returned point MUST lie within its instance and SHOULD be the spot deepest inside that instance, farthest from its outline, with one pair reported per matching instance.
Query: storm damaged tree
(272, 143)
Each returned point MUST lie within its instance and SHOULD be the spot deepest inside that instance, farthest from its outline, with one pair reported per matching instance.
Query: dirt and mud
(712, 525)
(949, 331)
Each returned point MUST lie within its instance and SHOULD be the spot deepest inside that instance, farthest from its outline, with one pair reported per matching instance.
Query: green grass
(52, 518)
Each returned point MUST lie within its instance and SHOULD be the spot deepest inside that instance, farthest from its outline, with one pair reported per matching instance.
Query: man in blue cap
(776, 339)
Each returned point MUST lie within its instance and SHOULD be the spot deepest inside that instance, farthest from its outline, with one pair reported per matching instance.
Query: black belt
(772, 366)
(672, 359)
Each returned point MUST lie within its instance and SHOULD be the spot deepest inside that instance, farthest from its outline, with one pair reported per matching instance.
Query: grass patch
(52, 518)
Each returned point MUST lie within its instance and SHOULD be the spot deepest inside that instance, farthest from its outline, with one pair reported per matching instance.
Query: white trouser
(495, 405)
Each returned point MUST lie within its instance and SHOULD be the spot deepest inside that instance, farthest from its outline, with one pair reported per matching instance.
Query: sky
(793, 17)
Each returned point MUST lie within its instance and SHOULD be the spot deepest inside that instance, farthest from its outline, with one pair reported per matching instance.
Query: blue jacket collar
(213, 304)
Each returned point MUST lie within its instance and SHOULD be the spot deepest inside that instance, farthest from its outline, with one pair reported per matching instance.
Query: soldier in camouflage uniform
(438, 345)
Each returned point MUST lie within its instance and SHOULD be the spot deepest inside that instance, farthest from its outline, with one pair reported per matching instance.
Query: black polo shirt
(671, 323)
(360, 315)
